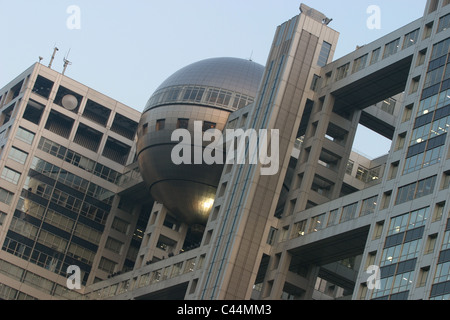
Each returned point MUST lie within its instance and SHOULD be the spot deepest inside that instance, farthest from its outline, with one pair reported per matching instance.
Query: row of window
(415, 190)
(93, 111)
(33, 280)
(182, 123)
(79, 160)
(199, 95)
(335, 217)
(390, 48)
(147, 278)
(72, 180)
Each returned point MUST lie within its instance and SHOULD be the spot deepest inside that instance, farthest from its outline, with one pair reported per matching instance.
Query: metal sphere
(207, 91)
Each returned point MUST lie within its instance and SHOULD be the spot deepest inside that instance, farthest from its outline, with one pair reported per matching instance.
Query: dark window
(208, 125)
(183, 123)
(324, 54)
(160, 124)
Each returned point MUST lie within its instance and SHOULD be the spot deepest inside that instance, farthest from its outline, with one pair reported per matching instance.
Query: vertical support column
(277, 285)
(251, 197)
(325, 152)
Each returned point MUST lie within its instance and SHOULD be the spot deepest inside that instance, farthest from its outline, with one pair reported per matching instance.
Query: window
(444, 23)
(440, 49)
(113, 245)
(375, 56)
(272, 235)
(18, 155)
(421, 57)
(414, 85)
(2, 217)
(416, 190)
(431, 243)
(315, 82)
(25, 135)
(144, 128)
(360, 63)
(349, 212)
(391, 48)
(386, 199)
(208, 125)
(349, 168)
(438, 211)
(160, 124)
(324, 54)
(182, 123)
(368, 206)
(410, 38)
(342, 71)
(107, 265)
(10, 175)
(333, 219)
(378, 230)
(299, 229)
(428, 30)
(317, 223)
(6, 196)
(393, 170)
(446, 180)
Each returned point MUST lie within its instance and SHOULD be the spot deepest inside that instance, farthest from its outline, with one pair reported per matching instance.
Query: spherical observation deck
(206, 91)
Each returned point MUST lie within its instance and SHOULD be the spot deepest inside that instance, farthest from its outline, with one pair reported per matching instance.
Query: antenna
(53, 57)
(66, 62)
(251, 56)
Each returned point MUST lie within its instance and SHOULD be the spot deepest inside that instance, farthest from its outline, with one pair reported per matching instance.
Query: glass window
(333, 219)
(349, 212)
(25, 135)
(183, 123)
(315, 82)
(10, 175)
(440, 49)
(120, 225)
(6, 196)
(375, 56)
(113, 245)
(208, 125)
(107, 265)
(317, 223)
(18, 155)
(160, 124)
(444, 23)
(342, 72)
(360, 63)
(324, 54)
(391, 48)
(298, 229)
(368, 206)
(410, 38)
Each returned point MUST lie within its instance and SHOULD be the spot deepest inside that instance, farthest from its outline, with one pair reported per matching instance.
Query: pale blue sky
(125, 49)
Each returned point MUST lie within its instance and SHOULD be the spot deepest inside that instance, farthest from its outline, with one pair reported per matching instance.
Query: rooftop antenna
(66, 62)
(251, 56)
(53, 57)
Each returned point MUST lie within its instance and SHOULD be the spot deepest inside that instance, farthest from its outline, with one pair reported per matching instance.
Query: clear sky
(125, 49)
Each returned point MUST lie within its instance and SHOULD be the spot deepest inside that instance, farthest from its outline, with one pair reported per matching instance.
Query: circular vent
(69, 102)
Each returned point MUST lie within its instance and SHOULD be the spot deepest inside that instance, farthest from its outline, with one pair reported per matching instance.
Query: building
(64, 148)
(329, 224)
